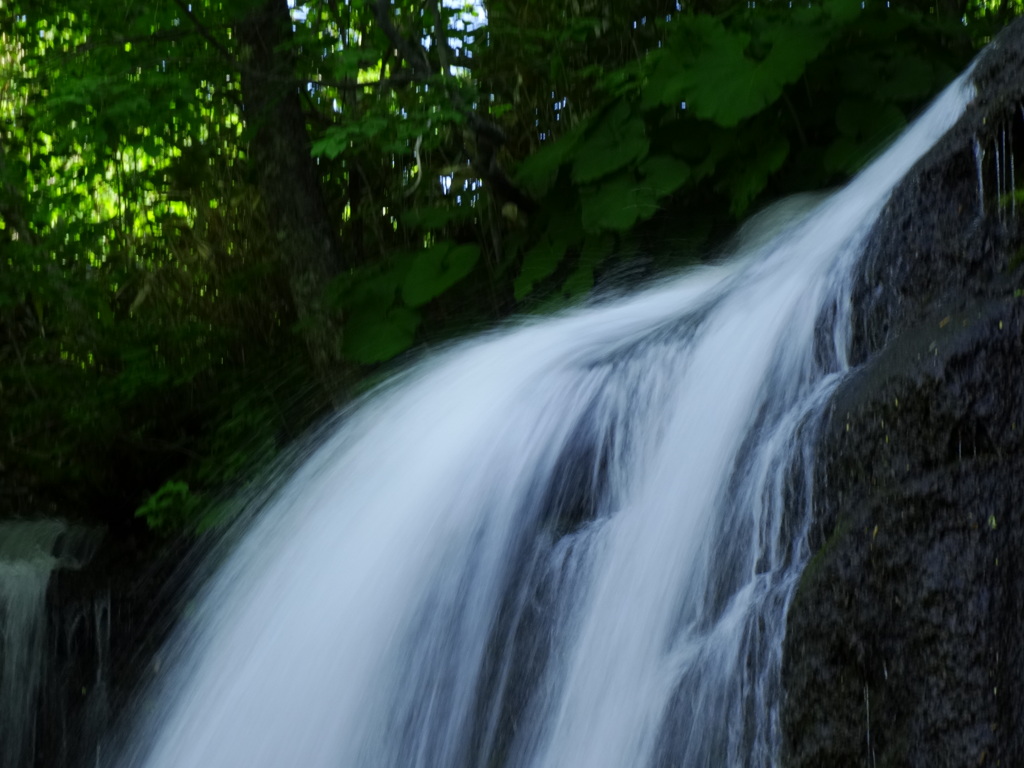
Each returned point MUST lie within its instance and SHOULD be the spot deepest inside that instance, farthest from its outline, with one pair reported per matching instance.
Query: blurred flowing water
(30, 552)
(569, 543)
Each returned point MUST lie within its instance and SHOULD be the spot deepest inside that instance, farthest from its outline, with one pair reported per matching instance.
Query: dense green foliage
(217, 217)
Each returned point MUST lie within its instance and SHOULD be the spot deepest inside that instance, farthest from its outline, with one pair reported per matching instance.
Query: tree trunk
(279, 151)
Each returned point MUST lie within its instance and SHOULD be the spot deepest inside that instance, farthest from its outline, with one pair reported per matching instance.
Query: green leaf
(617, 204)
(751, 175)
(169, 508)
(338, 138)
(347, 62)
(618, 140)
(436, 269)
(723, 84)
(662, 85)
(664, 174)
(560, 237)
(729, 86)
(374, 338)
(794, 46)
(538, 263)
(371, 286)
(334, 142)
(595, 250)
(538, 172)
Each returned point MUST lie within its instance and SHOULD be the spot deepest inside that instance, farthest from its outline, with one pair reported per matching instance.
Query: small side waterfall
(30, 551)
(569, 543)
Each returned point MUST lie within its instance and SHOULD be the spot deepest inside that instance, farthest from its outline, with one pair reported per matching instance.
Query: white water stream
(30, 551)
(566, 544)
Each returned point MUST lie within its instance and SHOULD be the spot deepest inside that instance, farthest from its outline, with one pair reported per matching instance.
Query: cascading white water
(568, 543)
(29, 553)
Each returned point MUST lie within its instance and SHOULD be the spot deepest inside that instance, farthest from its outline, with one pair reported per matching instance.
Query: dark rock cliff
(905, 643)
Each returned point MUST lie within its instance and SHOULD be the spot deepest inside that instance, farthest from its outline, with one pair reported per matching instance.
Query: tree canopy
(218, 217)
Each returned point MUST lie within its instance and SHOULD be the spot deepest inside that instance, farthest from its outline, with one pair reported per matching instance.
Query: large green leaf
(561, 236)
(616, 204)
(664, 174)
(793, 47)
(725, 86)
(750, 176)
(662, 85)
(722, 83)
(374, 285)
(538, 262)
(377, 336)
(617, 140)
(595, 250)
(702, 145)
(436, 269)
(538, 172)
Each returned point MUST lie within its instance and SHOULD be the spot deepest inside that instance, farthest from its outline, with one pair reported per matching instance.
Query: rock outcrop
(905, 644)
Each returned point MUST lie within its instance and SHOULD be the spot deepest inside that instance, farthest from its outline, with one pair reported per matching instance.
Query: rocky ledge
(904, 644)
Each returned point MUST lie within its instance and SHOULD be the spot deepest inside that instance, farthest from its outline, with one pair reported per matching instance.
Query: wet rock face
(103, 621)
(945, 239)
(904, 644)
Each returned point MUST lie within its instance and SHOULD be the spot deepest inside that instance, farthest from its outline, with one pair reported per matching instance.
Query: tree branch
(487, 135)
(441, 41)
(409, 50)
(21, 364)
(205, 33)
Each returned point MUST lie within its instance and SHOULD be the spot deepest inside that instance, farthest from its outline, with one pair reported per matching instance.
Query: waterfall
(30, 551)
(566, 543)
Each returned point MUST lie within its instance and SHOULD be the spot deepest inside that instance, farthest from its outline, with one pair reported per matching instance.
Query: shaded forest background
(220, 219)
